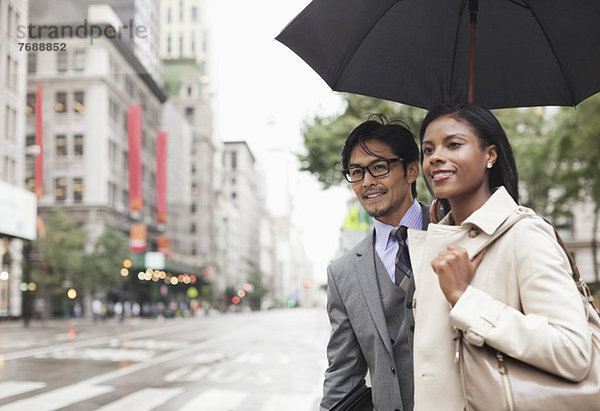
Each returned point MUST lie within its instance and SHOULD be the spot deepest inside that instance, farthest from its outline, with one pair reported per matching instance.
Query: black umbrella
(419, 52)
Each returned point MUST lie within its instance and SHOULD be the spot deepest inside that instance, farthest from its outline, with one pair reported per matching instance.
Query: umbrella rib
(453, 65)
(350, 55)
(562, 71)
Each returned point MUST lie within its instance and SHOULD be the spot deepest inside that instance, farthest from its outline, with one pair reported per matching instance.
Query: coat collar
(491, 214)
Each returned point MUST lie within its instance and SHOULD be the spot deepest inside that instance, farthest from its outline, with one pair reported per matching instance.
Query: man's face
(385, 198)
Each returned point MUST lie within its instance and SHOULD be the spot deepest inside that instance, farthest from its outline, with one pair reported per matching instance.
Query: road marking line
(56, 399)
(162, 330)
(143, 400)
(215, 400)
(290, 402)
(10, 388)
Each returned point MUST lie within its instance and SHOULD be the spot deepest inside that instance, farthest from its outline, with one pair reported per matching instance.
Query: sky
(264, 92)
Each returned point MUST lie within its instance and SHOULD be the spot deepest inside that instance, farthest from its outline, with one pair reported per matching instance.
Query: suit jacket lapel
(364, 269)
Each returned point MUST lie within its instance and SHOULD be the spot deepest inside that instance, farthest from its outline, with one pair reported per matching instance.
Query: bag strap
(582, 286)
(511, 220)
(521, 213)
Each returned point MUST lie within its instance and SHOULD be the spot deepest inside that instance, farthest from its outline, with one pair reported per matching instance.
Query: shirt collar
(413, 218)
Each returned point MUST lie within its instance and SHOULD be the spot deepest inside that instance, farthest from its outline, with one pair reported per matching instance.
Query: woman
(517, 296)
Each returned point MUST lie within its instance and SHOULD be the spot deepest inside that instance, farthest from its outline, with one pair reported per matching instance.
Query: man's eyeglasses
(377, 168)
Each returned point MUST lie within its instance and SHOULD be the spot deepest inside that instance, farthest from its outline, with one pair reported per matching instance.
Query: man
(369, 308)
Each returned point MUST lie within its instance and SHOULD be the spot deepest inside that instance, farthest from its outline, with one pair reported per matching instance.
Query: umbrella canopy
(417, 52)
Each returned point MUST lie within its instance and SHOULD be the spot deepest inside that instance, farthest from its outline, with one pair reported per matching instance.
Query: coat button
(412, 328)
(393, 370)
(473, 232)
(409, 304)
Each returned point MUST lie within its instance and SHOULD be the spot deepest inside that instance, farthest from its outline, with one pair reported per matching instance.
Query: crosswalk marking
(143, 400)
(56, 399)
(290, 402)
(215, 400)
(187, 374)
(10, 388)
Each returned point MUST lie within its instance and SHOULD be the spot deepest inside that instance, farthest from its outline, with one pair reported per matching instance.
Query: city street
(251, 361)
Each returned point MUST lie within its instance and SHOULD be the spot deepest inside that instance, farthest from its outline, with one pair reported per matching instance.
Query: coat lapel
(364, 269)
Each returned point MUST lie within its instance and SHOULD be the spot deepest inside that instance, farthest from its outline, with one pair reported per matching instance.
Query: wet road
(265, 361)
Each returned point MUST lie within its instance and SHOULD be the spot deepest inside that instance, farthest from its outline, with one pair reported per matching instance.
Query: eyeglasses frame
(389, 162)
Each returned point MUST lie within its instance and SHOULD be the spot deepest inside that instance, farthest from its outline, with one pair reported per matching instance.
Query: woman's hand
(455, 271)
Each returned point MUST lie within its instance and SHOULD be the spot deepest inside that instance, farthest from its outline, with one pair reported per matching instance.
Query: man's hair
(392, 132)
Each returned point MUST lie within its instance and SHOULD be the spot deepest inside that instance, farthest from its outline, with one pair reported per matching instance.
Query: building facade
(241, 189)
(18, 215)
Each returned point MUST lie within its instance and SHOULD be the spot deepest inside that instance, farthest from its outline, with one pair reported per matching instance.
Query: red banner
(134, 131)
(39, 134)
(137, 238)
(164, 245)
(161, 177)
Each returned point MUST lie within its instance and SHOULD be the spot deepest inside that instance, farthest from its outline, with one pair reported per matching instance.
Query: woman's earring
(490, 165)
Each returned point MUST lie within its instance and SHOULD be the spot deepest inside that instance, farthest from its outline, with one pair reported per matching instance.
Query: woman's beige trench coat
(524, 271)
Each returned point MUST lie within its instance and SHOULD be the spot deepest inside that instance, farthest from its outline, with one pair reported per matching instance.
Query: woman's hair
(487, 127)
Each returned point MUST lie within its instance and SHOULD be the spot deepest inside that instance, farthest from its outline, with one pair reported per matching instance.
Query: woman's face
(454, 164)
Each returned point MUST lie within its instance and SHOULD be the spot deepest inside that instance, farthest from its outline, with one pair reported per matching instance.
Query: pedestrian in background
(368, 301)
(517, 295)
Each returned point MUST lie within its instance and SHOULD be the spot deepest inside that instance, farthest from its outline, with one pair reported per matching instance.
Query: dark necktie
(403, 267)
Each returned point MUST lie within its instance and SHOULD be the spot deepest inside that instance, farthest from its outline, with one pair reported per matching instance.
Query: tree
(258, 292)
(527, 130)
(324, 137)
(576, 162)
(102, 266)
(62, 250)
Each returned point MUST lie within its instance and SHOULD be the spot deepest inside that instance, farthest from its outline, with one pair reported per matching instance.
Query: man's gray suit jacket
(359, 339)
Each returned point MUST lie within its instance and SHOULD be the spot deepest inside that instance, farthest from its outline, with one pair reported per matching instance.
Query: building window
(7, 71)
(77, 190)
(169, 44)
(61, 61)
(233, 160)
(6, 121)
(61, 145)
(13, 77)
(180, 11)
(78, 144)
(79, 60)
(9, 20)
(194, 13)
(29, 140)
(10, 118)
(61, 103)
(31, 63)
(180, 46)
(9, 169)
(189, 112)
(193, 228)
(112, 194)
(60, 189)
(169, 15)
(233, 195)
(193, 208)
(193, 43)
(78, 103)
(189, 91)
(125, 198)
(30, 108)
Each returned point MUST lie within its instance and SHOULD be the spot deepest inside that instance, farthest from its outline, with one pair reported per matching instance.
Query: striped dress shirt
(386, 245)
